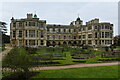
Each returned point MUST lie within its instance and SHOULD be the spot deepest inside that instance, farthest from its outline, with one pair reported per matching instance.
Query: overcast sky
(62, 12)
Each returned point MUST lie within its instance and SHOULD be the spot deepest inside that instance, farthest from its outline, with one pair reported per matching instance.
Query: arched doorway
(79, 43)
(59, 43)
(69, 43)
(48, 43)
(64, 43)
(53, 43)
(74, 43)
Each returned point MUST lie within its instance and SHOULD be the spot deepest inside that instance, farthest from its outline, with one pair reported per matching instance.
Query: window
(89, 42)
(37, 33)
(80, 29)
(26, 24)
(96, 27)
(31, 33)
(48, 29)
(31, 42)
(20, 34)
(53, 36)
(64, 37)
(20, 24)
(14, 33)
(14, 24)
(102, 26)
(64, 30)
(84, 42)
(96, 35)
(110, 35)
(42, 42)
(102, 34)
(59, 37)
(36, 23)
(79, 42)
(69, 37)
(106, 41)
(26, 33)
(89, 35)
(26, 42)
(99, 27)
(74, 37)
(41, 25)
(83, 28)
(110, 41)
(95, 41)
(69, 31)
(74, 30)
(106, 27)
(90, 27)
(53, 29)
(59, 30)
(110, 28)
(42, 34)
(83, 36)
(79, 36)
(48, 37)
(100, 42)
(106, 34)
(31, 23)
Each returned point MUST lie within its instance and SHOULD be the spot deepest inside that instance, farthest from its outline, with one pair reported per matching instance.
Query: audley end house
(33, 32)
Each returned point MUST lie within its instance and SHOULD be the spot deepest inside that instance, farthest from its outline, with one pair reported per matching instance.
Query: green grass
(85, 72)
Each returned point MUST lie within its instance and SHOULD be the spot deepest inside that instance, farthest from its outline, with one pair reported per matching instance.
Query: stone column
(35, 33)
(35, 42)
(28, 33)
(28, 42)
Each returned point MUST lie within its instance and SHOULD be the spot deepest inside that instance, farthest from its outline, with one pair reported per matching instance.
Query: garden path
(5, 52)
(74, 66)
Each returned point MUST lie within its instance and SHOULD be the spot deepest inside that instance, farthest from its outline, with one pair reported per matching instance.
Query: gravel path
(74, 66)
(64, 67)
(4, 53)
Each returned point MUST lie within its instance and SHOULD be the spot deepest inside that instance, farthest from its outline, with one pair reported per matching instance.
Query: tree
(117, 40)
(3, 31)
(3, 27)
(18, 59)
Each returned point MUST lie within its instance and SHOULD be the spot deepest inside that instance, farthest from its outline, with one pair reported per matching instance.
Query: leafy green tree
(18, 59)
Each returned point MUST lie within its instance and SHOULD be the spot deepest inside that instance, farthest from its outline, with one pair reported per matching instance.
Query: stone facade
(33, 32)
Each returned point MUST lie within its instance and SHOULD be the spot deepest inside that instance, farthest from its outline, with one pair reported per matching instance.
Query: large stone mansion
(33, 32)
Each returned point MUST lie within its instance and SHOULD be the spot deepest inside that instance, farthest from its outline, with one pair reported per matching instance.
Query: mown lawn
(85, 72)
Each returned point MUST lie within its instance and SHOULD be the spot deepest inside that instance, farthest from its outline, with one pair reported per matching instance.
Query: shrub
(31, 50)
(18, 58)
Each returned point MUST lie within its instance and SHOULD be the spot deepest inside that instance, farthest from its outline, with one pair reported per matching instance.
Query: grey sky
(63, 13)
